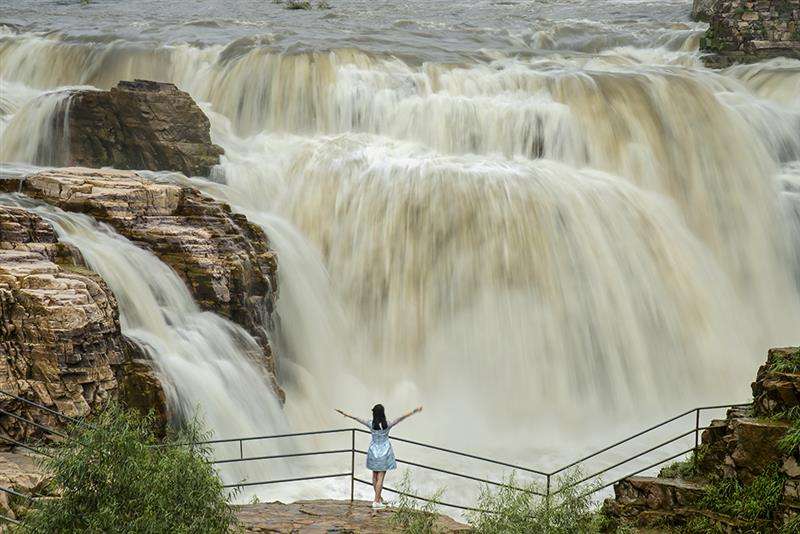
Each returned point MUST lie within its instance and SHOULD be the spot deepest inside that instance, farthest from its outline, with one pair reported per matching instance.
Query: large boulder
(60, 339)
(140, 125)
(225, 260)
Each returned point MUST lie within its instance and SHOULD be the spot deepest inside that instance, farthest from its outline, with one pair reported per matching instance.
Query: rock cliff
(140, 125)
(745, 476)
(744, 31)
(60, 339)
(225, 260)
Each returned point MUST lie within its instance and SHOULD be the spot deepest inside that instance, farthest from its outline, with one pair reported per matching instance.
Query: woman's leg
(379, 486)
(375, 485)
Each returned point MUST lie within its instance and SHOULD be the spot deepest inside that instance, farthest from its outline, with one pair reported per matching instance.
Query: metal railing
(547, 477)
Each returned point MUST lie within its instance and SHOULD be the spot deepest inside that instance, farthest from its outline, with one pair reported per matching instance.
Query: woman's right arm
(405, 416)
(354, 418)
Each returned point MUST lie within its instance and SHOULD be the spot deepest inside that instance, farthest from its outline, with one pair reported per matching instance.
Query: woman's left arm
(354, 418)
(405, 416)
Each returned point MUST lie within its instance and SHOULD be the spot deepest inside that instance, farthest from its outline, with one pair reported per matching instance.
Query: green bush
(752, 502)
(412, 515)
(786, 364)
(111, 477)
(790, 441)
(509, 511)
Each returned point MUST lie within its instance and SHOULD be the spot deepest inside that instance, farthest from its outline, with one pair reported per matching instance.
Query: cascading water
(563, 226)
(201, 358)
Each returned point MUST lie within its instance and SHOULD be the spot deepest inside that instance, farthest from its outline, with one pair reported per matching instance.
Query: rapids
(549, 234)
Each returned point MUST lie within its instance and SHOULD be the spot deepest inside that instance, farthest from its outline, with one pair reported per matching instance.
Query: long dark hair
(379, 418)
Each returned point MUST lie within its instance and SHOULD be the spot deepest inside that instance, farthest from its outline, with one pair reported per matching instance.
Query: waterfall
(200, 357)
(519, 240)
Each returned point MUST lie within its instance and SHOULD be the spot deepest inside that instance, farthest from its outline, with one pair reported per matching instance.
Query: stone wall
(742, 31)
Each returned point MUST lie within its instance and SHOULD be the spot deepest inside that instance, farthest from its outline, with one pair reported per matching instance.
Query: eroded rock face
(225, 260)
(703, 9)
(142, 125)
(744, 31)
(742, 447)
(60, 339)
(21, 473)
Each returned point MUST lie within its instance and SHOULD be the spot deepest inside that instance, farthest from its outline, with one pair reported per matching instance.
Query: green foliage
(412, 515)
(685, 469)
(792, 526)
(112, 478)
(752, 502)
(789, 363)
(298, 4)
(790, 441)
(509, 511)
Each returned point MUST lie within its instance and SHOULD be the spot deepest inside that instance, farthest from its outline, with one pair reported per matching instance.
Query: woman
(380, 456)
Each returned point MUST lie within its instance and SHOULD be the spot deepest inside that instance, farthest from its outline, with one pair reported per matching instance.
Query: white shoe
(378, 506)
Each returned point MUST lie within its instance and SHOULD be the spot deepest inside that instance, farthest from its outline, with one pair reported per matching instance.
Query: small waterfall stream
(200, 357)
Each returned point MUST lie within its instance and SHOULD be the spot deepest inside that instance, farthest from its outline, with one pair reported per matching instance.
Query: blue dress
(380, 456)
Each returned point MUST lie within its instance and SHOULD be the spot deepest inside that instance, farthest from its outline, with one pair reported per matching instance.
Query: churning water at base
(200, 357)
(561, 229)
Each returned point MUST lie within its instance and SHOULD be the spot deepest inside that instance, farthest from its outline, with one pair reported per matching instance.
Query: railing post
(696, 437)
(352, 464)
(547, 494)
(241, 454)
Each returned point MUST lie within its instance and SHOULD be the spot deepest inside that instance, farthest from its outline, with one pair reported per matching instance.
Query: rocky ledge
(745, 31)
(225, 260)
(60, 339)
(327, 516)
(742, 458)
(139, 125)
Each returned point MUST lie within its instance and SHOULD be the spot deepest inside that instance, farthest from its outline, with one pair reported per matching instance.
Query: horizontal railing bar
(40, 406)
(637, 472)
(273, 456)
(623, 462)
(10, 520)
(441, 503)
(470, 477)
(278, 481)
(684, 414)
(467, 455)
(15, 493)
(34, 423)
(255, 438)
(18, 444)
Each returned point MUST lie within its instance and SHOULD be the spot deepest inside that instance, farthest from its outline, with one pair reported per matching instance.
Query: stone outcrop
(140, 125)
(225, 260)
(741, 448)
(744, 31)
(703, 9)
(327, 516)
(20, 473)
(60, 339)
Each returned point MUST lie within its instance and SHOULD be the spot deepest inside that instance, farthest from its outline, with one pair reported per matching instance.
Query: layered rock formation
(20, 473)
(225, 261)
(60, 339)
(703, 9)
(743, 453)
(140, 125)
(748, 31)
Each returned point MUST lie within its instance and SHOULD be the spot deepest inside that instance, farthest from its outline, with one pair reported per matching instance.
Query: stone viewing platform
(742, 31)
(327, 516)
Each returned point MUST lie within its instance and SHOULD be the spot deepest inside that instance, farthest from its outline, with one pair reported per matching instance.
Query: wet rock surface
(326, 516)
(744, 31)
(225, 260)
(140, 125)
(742, 447)
(60, 339)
